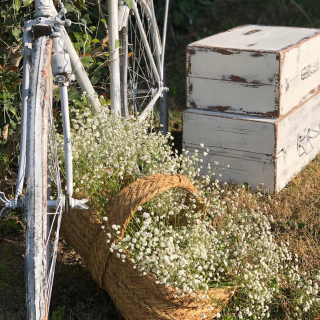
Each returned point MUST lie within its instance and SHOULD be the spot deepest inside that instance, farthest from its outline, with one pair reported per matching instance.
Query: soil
(75, 295)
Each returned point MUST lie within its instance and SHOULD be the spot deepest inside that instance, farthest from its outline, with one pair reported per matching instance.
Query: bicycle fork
(62, 71)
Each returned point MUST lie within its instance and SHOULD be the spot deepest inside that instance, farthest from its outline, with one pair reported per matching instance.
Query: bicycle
(136, 85)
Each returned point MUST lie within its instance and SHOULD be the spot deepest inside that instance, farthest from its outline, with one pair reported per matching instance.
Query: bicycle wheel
(138, 81)
(43, 179)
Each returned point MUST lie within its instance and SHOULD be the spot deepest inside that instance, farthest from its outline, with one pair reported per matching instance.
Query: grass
(296, 211)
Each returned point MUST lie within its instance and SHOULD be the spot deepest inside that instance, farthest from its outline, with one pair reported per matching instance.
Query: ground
(75, 295)
(296, 211)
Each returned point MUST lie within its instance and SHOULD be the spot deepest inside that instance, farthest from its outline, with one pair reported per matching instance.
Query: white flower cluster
(198, 256)
(168, 237)
(109, 151)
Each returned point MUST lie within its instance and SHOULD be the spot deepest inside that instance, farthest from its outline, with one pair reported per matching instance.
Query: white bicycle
(136, 67)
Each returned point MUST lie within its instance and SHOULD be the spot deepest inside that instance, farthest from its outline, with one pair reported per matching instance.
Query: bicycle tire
(41, 168)
(136, 76)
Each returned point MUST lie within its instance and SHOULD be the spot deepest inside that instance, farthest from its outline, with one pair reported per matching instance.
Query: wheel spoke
(52, 264)
(54, 218)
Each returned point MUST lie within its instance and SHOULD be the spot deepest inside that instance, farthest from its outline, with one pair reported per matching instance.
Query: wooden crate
(254, 70)
(258, 150)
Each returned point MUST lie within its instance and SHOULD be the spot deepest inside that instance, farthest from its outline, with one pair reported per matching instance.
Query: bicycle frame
(46, 14)
(65, 63)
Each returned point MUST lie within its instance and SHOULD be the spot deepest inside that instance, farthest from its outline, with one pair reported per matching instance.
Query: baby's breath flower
(184, 251)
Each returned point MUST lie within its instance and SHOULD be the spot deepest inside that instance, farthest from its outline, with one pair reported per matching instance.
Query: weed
(11, 225)
(3, 285)
(4, 270)
(58, 314)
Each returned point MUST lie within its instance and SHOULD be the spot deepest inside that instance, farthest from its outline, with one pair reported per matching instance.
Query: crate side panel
(300, 74)
(297, 122)
(230, 133)
(233, 97)
(291, 162)
(234, 66)
(239, 168)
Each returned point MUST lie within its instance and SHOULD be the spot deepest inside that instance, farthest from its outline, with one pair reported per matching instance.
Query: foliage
(12, 15)
(218, 15)
(94, 58)
(10, 225)
(58, 314)
(10, 112)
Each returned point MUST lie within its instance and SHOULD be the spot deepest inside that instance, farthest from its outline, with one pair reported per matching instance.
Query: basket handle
(125, 204)
(121, 210)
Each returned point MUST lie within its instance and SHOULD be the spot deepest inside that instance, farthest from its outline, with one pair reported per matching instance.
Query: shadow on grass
(75, 295)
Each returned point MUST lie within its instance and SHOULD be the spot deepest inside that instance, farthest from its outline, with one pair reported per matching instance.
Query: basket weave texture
(137, 297)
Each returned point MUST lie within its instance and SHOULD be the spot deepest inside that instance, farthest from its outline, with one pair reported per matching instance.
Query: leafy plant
(58, 314)
(90, 43)
(9, 110)
(11, 226)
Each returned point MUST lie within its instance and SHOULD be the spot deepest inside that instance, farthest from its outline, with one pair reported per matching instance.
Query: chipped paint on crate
(246, 98)
(280, 63)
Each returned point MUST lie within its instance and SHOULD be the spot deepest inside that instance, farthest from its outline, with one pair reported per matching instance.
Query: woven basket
(137, 297)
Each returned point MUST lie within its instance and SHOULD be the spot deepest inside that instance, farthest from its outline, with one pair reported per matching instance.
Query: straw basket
(137, 297)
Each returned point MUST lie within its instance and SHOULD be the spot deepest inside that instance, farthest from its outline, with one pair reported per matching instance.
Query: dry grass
(296, 213)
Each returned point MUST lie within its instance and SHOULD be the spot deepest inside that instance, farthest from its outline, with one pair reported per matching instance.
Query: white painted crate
(258, 150)
(255, 70)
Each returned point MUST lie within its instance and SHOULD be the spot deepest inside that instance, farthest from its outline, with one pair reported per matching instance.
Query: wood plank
(258, 173)
(234, 97)
(242, 133)
(243, 66)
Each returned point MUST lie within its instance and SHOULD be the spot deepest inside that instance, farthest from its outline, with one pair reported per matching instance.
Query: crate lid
(258, 38)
